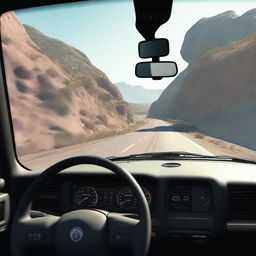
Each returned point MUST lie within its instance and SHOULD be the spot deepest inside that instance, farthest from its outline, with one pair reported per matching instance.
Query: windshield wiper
(156, 155)
(153, 155)
(178, 155)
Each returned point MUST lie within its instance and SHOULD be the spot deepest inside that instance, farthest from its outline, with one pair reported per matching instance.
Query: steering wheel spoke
(124, 232)
(35, 233)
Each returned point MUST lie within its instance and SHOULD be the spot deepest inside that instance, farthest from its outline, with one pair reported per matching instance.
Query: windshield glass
(73, 90)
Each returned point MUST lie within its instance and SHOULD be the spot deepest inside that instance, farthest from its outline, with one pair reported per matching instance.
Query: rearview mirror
(156, 69)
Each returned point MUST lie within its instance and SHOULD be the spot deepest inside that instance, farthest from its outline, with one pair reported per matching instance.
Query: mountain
(217, 92)
(70, 59)
(216, 31)
(138, 94)
(58, 97)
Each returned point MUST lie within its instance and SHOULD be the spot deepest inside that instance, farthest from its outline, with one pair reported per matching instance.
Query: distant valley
(138, 94)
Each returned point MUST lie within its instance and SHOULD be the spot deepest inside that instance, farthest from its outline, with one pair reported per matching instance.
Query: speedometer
(86, 196)
(126, 198)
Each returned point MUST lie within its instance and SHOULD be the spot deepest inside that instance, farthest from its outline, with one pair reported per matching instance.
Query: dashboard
(196, 200)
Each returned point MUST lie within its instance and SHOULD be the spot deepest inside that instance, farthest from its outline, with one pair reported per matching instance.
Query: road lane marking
(152, 143)
(128, 148)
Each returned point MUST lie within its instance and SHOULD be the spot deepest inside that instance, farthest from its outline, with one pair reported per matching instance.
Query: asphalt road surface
(156, 136)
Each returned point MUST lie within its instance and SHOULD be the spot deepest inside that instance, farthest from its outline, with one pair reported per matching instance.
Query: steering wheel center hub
(81, 231)
(76, 234)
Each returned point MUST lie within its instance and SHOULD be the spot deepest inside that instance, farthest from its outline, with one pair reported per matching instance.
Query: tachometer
(86, 196)
(126, 198)
(147, 195)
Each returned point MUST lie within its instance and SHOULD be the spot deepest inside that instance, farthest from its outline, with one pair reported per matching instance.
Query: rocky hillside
(217, 92)
(138, 94)
(216, 31)
(58, 98)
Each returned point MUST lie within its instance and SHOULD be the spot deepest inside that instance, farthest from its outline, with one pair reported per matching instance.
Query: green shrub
(63, 139)
(106, 97)
(199, 135)
(97, 122)
(88, 83)
(6, 40)
(66, 82)
(88, 124)
(121, 109)
(59, 96)
(215, 142)
(56, 103)
(103, 119)
(56, 128)
(22, 72)
(51, 72)
(66, 92)
(83, 112)
(44, 82)
(34, 56)
(43, 96)
(21, 87)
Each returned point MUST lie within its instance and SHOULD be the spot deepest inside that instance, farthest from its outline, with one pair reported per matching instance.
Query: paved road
(156, 136)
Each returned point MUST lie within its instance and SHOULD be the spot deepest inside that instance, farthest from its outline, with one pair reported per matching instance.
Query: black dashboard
(198, 201)
(116, 196)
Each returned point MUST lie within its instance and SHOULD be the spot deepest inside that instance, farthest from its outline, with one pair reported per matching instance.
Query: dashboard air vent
(48, 199)
(241, 202)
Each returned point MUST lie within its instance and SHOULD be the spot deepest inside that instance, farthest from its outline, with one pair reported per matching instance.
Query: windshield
(73, 90)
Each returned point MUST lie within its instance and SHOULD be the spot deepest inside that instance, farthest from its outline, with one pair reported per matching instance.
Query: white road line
(128, 148)
(197, 145)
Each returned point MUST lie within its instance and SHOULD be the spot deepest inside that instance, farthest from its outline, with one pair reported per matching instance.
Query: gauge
(86, 196)
(204, 200)
(126, 198)
(147, 195)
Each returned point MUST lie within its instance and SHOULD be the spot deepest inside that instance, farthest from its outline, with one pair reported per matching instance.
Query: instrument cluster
(120, 198)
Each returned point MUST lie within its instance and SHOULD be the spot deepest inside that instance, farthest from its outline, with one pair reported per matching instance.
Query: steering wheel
(81, 232)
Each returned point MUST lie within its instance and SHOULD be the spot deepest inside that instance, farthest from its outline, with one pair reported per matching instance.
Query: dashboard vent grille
(242, 202)
(48, 199)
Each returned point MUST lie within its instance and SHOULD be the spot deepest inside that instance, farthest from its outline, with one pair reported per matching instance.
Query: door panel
(4, 218)
(4, 207)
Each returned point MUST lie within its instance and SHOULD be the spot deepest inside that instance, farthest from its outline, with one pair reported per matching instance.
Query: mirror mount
(150, 15)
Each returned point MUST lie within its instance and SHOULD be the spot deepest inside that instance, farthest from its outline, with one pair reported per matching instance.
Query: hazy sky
(106, 33)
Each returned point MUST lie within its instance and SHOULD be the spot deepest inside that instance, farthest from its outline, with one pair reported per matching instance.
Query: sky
(106, 32)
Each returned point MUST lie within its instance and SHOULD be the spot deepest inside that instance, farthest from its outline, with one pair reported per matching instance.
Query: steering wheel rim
(22, 215)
